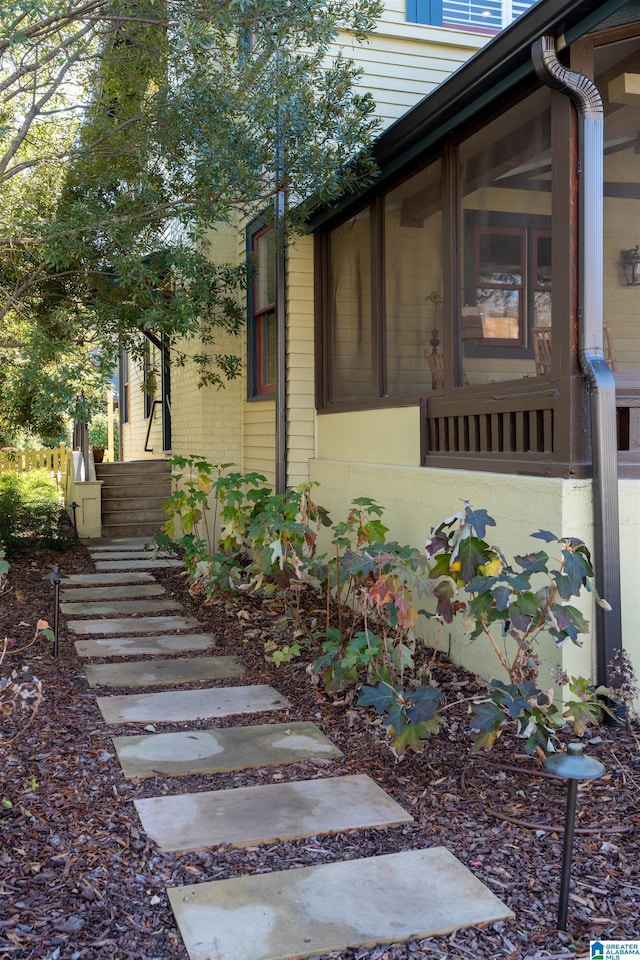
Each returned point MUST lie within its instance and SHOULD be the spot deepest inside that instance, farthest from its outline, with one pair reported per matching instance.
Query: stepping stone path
(276, 811)
(175, 706)
(108, 565)
(317, 910)
(99, 608)
(140, 646)
(125, 591)
(222, 750)
(286, 914)
(139, 625)
(176, 670)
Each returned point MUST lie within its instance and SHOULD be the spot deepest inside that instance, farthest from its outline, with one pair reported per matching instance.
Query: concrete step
(124, 467)
(135, 491)
(333, 907)
(105, 579)
(124, 512)
(132, 528)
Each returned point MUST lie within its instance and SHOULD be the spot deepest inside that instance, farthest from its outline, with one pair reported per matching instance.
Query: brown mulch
(79, 879)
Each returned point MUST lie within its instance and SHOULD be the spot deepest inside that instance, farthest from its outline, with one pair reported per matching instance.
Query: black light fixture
(573, 766)
(56, 576)
(631, 265)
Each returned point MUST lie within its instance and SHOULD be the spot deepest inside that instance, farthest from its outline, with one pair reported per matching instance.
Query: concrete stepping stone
(112, 565)
(176, 706)
(264, 814)
(106, 579)
(333, 907)
(132, 625)
(221, 750)
(140, 646)
(157, 672)
(127, 591)
(127, 554)
(99, 608)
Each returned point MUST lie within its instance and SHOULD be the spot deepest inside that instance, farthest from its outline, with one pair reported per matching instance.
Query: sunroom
(462, 302)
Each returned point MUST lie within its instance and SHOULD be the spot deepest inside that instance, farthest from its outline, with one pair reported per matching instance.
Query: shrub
(31, 511)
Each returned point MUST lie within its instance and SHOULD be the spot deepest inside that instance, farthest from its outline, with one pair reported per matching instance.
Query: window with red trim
(262, 312)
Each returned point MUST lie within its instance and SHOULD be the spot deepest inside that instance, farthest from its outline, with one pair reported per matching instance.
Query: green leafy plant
(511, 606)
(503, 602)
(31, 511)
(409, 713)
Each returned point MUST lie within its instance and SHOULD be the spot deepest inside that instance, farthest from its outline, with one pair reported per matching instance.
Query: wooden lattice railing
(522, 432)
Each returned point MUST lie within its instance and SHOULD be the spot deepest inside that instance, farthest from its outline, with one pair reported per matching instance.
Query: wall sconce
(631, 264)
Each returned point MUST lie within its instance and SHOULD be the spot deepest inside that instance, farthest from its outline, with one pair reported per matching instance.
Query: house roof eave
(498, 67)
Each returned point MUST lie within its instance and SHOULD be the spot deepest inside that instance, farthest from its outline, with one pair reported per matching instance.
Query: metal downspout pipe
(281, 346)
(600, 379)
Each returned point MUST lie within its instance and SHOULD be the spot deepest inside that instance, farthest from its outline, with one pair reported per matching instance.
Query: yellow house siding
(300, 361)
(259, 438)
(134, 432)
(208, 420)
(403, 62)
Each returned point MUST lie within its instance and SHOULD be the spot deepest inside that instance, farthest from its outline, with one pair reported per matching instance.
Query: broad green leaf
(565, 616)
(478, 519)
(379, 697)
(577, 568)
(472, 553)
(486, 716)
(425, 702)
(357, 564)
(442, 567)
(501, 597)
(523, 611)
(395, 716)
(484, 739)
(533, 562)
(545, 535)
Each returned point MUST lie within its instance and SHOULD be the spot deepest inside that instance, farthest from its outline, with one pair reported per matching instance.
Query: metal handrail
(147, 448)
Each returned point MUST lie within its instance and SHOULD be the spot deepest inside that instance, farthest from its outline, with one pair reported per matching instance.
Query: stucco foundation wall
(416, 499)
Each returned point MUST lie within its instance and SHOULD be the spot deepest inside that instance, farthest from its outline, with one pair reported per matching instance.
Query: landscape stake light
(74, 506)
(573, 766)
(56, 576)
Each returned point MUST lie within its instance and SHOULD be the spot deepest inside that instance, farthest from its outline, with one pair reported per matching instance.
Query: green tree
(130, 129)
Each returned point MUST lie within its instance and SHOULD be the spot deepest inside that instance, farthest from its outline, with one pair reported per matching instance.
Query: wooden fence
(24, 461)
